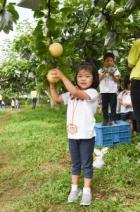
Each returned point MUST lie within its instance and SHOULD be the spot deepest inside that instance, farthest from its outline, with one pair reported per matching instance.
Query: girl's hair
(120, 85)
(90, 67)
(126, 83)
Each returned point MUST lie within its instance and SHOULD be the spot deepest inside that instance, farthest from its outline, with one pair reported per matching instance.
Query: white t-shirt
(13, 103)
(107, 84)
(33, 94)
(81, 114)
(125, 97)
(16, 102)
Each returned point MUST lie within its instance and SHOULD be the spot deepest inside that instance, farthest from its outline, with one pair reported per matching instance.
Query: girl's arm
(75, 92)
(55, 96)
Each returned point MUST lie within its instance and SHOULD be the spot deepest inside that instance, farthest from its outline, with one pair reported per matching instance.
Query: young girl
(82, 101)
(126, 108)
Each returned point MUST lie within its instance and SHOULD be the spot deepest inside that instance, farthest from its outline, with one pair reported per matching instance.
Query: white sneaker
(86, 199)
(73, 195)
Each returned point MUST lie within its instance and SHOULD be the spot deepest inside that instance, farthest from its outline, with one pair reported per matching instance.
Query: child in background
(12, 103)
(0, 101)
(82, 101)
(3, 104)
(34, 98)
(17, 103)
(126, 109)
(119, 90)
(109, 77)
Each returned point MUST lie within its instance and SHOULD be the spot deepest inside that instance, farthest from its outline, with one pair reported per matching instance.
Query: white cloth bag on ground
(99, 162)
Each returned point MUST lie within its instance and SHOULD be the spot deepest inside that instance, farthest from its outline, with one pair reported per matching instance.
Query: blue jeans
(81, 151)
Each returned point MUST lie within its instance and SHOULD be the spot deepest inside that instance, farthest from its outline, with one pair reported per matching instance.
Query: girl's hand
(57, 73)
(111, 74)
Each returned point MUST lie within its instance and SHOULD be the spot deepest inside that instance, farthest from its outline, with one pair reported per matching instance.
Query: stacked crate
(119, 133)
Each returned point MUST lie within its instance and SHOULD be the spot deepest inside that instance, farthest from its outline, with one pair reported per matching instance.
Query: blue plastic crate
(111, 135)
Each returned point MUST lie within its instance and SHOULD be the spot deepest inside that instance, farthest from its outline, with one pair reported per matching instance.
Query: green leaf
(38, 14)
(14, 13)
(51, 23)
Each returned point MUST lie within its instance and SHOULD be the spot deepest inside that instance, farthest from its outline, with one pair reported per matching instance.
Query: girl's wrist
(63, 77)
(52, 86)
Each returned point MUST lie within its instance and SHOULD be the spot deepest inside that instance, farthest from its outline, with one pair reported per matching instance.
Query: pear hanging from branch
(56, 50)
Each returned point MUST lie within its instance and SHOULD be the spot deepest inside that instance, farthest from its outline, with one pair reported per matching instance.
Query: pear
(51, 78)
(56, 50)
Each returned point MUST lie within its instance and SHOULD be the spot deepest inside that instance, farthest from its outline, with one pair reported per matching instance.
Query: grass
(35, 167)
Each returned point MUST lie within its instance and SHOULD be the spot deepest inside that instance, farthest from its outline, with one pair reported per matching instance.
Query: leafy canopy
(85, 28)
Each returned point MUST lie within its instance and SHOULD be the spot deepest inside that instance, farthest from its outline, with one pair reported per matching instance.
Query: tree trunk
(52, 103)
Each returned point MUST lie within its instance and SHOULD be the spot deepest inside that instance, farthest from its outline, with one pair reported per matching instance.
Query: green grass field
(35, 167)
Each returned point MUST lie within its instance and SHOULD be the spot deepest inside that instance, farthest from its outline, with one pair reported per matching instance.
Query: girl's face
(84, 79)
(108, 62)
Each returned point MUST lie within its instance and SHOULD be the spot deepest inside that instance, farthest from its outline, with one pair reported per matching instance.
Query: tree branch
(3, 5)
(49, 9)
(49, 17)
(90, 15)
